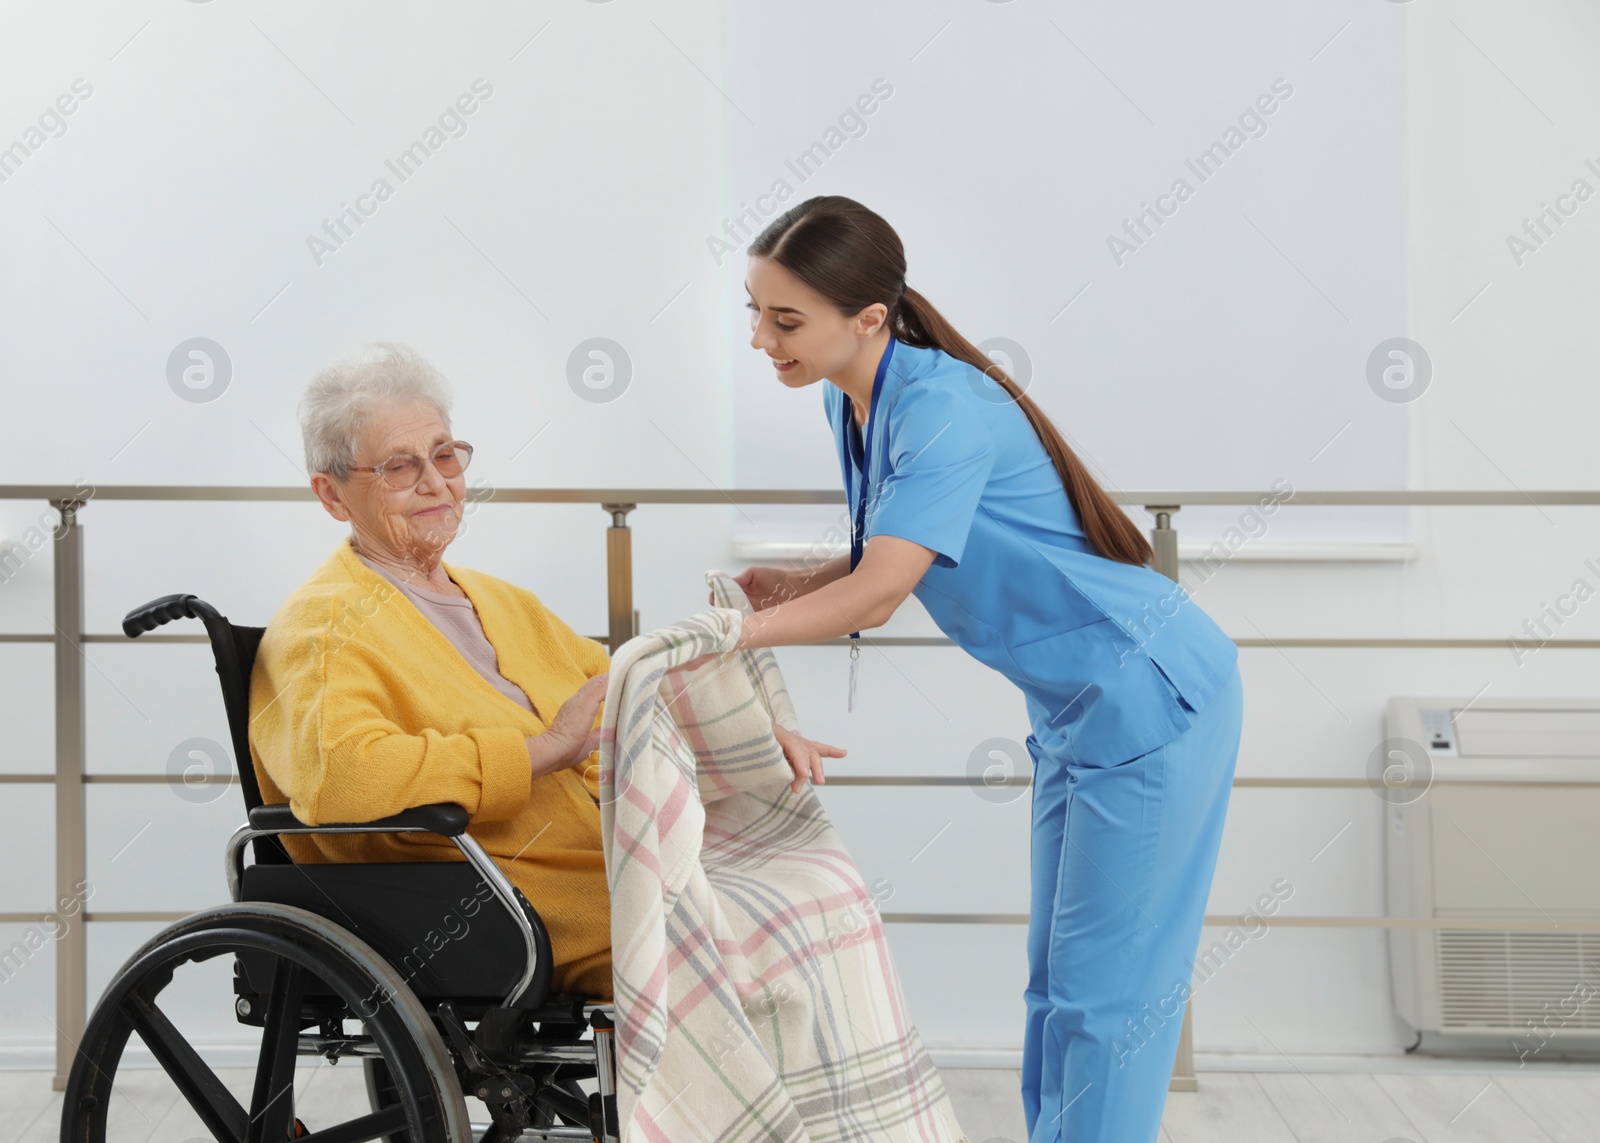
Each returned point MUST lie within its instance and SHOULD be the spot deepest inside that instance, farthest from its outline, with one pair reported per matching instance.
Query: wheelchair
(435, 976)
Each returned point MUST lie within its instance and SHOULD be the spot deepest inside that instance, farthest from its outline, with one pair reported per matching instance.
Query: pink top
(458, 620)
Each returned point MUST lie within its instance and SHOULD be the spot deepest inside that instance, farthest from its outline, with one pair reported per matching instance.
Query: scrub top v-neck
(1114, 660)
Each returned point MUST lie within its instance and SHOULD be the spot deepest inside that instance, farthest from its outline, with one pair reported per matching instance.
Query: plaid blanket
(755, 995)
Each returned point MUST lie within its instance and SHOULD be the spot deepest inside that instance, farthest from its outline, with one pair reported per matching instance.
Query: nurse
(961, 492)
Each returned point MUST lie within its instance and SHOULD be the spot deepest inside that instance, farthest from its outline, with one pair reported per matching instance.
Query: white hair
(340, 400)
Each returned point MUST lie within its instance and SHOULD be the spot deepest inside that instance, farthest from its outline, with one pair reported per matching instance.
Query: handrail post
(1164, 542)
(71, 945)
(619, 576)
(1164, 539)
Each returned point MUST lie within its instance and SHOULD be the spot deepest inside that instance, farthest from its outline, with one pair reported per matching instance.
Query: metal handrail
(70, 779)
(1326, 643)
(1377, 497)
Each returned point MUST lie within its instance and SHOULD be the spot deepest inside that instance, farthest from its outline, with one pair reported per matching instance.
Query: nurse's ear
(870, 320)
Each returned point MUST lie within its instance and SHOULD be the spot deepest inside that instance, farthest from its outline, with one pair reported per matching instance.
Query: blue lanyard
(859, 527)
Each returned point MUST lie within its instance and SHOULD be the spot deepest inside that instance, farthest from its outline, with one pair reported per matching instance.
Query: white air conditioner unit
(1495, 849)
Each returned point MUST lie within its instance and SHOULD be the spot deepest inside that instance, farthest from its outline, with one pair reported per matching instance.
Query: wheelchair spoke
(212, 1102)
(360, 1130)
(272, 1101)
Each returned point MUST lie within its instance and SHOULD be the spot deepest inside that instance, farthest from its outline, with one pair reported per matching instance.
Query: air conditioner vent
(1505, 980)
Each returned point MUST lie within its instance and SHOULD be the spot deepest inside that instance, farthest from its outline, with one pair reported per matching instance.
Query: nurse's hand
(805, 756)
(766, 587)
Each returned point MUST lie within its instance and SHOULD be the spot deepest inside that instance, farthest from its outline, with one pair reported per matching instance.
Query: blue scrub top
(1114, 660)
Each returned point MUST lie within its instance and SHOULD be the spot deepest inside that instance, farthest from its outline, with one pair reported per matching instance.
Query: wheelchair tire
(428, 1105)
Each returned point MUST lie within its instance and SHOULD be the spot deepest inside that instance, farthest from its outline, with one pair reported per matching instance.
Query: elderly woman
(390, 679)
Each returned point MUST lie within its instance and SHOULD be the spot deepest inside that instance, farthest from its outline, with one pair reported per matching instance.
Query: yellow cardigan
(360, 708)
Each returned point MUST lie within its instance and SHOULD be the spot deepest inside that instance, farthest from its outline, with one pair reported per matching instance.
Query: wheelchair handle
(164, 610)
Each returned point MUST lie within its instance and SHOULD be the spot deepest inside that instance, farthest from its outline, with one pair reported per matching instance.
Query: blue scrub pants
(1122, 862)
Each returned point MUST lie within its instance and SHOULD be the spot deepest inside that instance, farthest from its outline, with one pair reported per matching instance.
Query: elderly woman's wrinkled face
(414, 524)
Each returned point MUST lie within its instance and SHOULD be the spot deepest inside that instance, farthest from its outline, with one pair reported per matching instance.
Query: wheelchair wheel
(320, 975)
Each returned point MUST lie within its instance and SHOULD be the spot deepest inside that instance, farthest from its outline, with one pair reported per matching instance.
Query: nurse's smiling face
(804, 333)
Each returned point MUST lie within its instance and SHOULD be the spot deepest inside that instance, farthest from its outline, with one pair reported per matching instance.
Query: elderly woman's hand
(805, 756)
(572, 735)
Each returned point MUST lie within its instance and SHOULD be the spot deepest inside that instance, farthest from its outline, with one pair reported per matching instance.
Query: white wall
(178, 204)
(1511, 406)
(1230, 346)
(214, 141)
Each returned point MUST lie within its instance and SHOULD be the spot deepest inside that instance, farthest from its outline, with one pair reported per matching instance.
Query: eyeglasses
(404, 469)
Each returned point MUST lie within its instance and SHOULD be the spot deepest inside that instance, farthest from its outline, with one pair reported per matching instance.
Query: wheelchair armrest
(443, 818)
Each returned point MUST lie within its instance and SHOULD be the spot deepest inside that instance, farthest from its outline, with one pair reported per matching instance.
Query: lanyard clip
(855, 654)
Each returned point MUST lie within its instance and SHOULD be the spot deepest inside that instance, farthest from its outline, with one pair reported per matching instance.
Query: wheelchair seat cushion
(436, 922)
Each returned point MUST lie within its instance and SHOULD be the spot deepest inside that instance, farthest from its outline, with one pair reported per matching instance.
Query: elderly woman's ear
(332, 498)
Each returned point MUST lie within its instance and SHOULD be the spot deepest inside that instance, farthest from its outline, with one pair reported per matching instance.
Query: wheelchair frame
(523, 1058)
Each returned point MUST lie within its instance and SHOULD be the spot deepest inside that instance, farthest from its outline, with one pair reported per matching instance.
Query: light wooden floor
(1493, 1105)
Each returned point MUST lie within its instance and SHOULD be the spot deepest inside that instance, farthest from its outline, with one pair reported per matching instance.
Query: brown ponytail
(852, 257)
